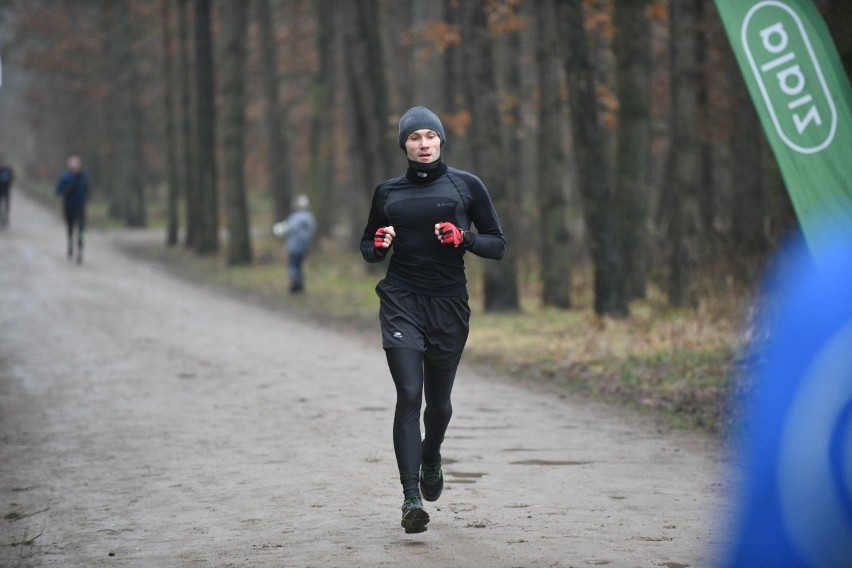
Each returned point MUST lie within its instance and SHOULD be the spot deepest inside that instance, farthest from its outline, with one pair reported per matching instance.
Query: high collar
(425, 173)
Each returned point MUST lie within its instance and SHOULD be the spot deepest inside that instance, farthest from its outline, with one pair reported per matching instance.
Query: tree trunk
(374, 149)
(321, 166)
(683, 171)
(110, 179)
(592, 167)
(207, 237)
(234, 21)
(127, 156)
(370, 93)
(278, 162)
(172, 223)
(839, 20)
(136, 214)
(632, 47)
(119, 113)
(707, 192)
(554, 251)
(749, 206)
(190, 162)
(452, 95)
(500, 282)
(404, 64)
(378, 102)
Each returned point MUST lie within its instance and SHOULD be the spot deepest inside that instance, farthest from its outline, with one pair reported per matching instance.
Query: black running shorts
(434, 325)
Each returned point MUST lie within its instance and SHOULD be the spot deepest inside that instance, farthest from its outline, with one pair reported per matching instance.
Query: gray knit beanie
(418, 118)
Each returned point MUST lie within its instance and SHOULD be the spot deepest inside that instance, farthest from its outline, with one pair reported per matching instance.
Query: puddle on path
(550, 462)
(462, 477)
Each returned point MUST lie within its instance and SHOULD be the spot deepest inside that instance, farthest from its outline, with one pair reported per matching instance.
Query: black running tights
(75, 216)
(414, 376)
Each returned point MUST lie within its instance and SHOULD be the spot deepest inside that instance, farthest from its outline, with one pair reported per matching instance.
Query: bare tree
(190, 162)
(632, 47)
(377, 102)
(592, 166)
(128, 183)
(170, 105)
(278, 164)
(364, 71)
(321, 167)
(749, 208)
(234, 22)
(683, 172)
(501, 281)
(554, 251)
(206, 241)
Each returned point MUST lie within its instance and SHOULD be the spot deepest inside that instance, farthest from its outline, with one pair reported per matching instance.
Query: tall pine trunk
(750, 207)
(592, 166)
(190, 161)
(128, 185)
(278, 163)
(374, 149)
(378, 101)
(119, 124)
(109, 175)
(169, 105)
(234, 20)
(501, 280)
(207, 237)
(554, 251)
(632, 47)
(321, 167)
(136, 210)
(683, 171)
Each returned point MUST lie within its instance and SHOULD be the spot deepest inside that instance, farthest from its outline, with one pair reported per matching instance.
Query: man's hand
(449, 234)
(383, 239)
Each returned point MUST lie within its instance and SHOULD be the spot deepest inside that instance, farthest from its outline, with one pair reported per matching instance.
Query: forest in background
(615, 134)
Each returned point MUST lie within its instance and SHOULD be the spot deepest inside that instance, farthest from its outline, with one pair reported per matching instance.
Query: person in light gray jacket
(298, 228)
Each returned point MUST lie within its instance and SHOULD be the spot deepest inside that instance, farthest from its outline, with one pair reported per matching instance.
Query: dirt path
(148, 422)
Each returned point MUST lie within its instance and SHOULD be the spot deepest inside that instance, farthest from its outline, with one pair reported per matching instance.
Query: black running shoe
(414, 518)
(431, 481)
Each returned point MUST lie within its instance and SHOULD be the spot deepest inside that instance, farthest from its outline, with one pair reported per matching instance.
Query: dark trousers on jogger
(423, 338)
(75, 217)
(4, 206)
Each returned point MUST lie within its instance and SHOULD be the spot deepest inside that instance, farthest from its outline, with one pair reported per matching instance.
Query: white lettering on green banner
(789, 77)
(803, 98)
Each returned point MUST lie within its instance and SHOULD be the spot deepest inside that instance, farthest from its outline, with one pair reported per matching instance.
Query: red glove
(449, 234)
(379, 239)
(383, 239)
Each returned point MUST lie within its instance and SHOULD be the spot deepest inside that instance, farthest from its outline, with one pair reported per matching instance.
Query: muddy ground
(146, 421)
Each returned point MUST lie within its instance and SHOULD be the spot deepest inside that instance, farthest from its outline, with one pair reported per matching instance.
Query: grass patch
(676, 364)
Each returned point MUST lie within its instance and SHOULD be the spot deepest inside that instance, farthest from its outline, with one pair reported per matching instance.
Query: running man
(426, 216)
(73, 186)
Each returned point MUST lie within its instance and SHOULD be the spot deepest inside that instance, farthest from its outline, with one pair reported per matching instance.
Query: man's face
(423, 146)
(74, 165)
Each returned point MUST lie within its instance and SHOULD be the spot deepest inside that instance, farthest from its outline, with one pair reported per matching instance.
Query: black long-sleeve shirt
(413, 204)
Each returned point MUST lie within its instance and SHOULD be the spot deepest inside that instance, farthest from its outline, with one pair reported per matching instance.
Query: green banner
(804, 101)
